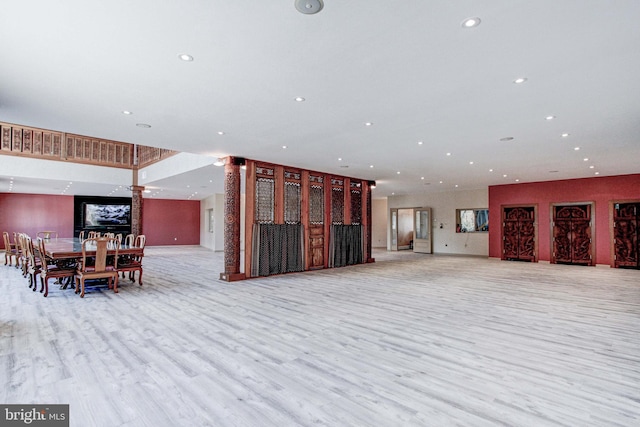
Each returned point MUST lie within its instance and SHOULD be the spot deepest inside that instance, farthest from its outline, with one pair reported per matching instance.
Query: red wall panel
(171, 222)
(30, 213)
(165, 222)
(600, 190)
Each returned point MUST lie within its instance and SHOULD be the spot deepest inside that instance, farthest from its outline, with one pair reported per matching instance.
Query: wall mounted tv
(99, 215)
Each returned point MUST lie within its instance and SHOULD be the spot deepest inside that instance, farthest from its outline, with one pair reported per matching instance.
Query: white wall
(379, 221)
(444, 205)
(215, 240)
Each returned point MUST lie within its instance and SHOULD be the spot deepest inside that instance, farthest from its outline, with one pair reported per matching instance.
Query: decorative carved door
(519, 233)
(316, 222)
(626, 218)
(572, 235)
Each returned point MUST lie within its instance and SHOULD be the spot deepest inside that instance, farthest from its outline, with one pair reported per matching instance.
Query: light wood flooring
(412, 340)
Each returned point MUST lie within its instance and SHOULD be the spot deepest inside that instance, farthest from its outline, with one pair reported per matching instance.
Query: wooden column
(232, 220)
(366, 219)
(136, 209)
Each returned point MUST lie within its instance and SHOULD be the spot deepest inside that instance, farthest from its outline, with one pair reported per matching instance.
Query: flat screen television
(106, 215)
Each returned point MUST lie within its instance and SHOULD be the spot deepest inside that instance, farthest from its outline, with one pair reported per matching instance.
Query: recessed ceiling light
(441, 182)
(550, 117)
(339, 159)
(564, 135)
(504, 176)
(448, 154)
(309, 7)
(185, 57)
(398, 173)
(470, 163)
(517, 180)
(470, 22)
(299, 99)
(577, 148)
(520, 80)
(592, 167)
(422, 177)
(220, 133)
(490, 170)
(586, 159)
(368, 124)
(143, 125)
(597, 173)
(456, 185)
(284, 147)
(419, 142)
(128, 113)
(370, 166)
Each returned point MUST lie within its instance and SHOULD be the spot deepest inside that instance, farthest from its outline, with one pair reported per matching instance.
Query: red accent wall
(163, 220)
(600, 190)
(171, 222)
(30, 213)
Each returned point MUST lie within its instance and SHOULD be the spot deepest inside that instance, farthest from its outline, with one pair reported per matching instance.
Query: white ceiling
(409, 67)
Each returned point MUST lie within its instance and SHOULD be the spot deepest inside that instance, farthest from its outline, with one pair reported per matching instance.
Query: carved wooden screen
(337, 201)
(356, 203)
(316, 222)
(265, 195)
(518, 233)
(572, 234)
(292, 197)
(626, 218)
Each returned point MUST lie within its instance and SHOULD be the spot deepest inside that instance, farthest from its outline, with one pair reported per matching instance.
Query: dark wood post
(136, 209)
(232, 220)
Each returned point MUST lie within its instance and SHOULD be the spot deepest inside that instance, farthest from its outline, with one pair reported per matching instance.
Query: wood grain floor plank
(411, 340)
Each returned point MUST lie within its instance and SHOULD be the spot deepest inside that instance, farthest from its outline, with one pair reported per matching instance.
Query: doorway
(572, 234)
(626, 235)
(411, 229)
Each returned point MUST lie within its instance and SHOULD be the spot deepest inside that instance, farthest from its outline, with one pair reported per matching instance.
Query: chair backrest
(101, 245)
(93, 234)
(43, 252)
(81, 236)
(7, 241)
(30, 250)
(130, 240)
(141, 240)
(48, 234)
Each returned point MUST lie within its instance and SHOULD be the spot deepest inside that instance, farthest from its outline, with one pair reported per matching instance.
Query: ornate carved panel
(27, 141)
(37, 142)
(292, 194)
(6, 138)
(265, 195)
(337, 201)
(16, 139)
(316, 200)
(626, 219)
(572, 234)
(518, 233)
(356, 203)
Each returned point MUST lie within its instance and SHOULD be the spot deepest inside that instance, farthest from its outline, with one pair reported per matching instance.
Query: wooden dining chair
(133, 263)
(16, 242)
(34, 262)
(51, 270)
(9, 249)
(21, 243)
(104, 266)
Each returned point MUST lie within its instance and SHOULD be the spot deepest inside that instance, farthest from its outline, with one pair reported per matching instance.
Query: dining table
(71, 248)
